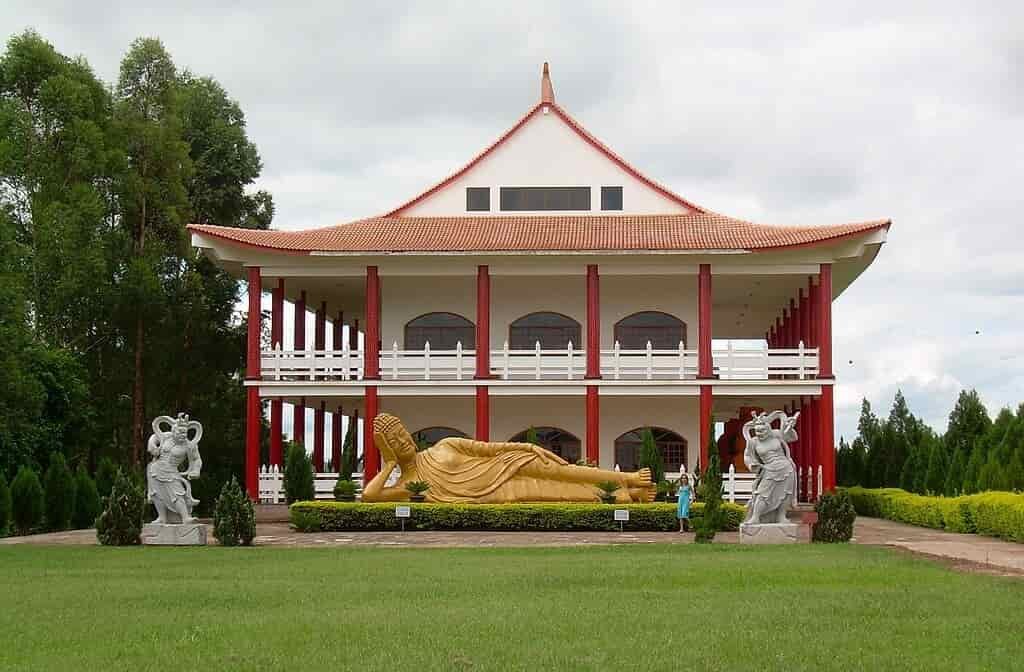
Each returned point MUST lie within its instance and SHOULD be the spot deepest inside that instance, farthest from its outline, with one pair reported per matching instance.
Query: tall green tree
(154, 204)
(968, 422)
(938, 465)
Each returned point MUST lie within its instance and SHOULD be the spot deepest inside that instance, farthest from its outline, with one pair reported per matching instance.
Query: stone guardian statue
(767, 455)
(168, 487)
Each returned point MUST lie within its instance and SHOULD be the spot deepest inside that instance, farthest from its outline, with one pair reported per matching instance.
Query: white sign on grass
(402, 512)
(621, 515)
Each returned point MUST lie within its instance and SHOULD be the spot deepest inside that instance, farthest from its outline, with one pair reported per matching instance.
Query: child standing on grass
(683, 507)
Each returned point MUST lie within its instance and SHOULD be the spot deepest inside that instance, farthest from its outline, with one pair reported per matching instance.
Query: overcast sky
(803, 113)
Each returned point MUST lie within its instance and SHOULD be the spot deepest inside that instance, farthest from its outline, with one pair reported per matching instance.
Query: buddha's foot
(643, 478)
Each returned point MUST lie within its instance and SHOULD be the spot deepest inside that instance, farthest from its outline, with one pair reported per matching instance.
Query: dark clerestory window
(478, 199)
(611, 198)
(545, 198)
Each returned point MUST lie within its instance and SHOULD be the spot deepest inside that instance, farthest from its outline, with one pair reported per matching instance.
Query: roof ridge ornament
(547, 92)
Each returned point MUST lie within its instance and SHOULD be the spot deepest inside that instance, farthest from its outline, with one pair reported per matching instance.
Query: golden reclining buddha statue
(466, 471)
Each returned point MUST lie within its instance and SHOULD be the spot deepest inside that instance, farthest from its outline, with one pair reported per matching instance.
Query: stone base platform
(772, 533)
(180, 534)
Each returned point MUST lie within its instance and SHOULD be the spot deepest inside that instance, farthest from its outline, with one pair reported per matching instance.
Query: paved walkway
(963, 551)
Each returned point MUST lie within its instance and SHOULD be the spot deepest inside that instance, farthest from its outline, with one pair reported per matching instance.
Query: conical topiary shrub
(650, 456)
(711, 494)
(120, 524)
(234, 519)
(87, 500)
(26, 501)
(298, 475)
(59, 489)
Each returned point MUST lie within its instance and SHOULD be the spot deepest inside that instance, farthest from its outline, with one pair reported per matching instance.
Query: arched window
(671, 446)
(664, 331)
(442, 330)
(558, 441)
(428, 436)
(553, 330)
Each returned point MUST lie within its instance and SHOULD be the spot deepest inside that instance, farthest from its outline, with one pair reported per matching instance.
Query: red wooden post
(353, 336)
(339, 332)
(299, 411)
(483, 325)
(778, 333)
(705, 365)
(253, 424)
(319, 415)
(705, 424)
(276, 405)
(805, 323)
(483, 413)
(593, 324)
(336, 439)
(593, 425)
(371, 366)
(827, 420)
(371, 456)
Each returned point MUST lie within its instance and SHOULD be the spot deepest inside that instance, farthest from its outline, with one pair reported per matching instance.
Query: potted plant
(345, 490)
(608, 489)
(416, 490)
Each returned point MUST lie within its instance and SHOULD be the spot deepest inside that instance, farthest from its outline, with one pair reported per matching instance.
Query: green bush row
(357, 516)
(996, 514)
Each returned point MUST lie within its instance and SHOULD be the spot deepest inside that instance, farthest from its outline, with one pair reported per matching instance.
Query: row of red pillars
(808, 320)
(796, 324)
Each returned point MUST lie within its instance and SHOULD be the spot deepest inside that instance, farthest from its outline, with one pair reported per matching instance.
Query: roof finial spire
(547, 92)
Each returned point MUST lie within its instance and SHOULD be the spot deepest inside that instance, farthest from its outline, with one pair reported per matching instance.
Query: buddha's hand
(548, 456)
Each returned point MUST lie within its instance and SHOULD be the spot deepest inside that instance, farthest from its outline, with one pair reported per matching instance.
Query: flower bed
(996, 514)
(356, 516)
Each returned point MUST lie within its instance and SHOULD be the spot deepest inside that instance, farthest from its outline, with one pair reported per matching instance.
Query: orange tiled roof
(555, 233)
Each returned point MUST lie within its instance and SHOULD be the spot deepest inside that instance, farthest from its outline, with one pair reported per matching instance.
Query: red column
(318, 437)
(253, 424)
(483, 324)
(778, 333)
(827, 421)
(276, 405)
(299, 411)
(371, 366)
(593, 323)
(320, 333)
(705, 424)
(336, 439)
(483, 413)
(805, 323)
(371, 371)
(339, 331)
(371, 457)
(353, 335)
(705, 365)
(593, 425)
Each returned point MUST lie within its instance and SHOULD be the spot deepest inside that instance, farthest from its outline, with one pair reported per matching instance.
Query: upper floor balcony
(731, 361)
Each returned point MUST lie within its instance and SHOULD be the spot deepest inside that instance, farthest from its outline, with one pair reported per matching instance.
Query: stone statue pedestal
(772, 533)
(176, 534)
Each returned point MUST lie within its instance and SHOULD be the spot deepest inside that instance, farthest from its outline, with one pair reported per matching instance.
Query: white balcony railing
(730, 363)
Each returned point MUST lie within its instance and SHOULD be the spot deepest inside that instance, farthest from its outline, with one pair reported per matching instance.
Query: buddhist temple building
(548, 288)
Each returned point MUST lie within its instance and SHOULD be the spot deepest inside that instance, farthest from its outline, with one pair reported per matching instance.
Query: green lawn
(614, 608)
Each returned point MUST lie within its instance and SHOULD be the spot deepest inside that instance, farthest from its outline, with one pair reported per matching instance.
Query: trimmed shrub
(87, 500)
(711, 496)
(357, 516)
(835, 518)
(26, 501)
(234, 518)
(298, 475)
(59, 489)
(996, 514)
(345, 490)
(106, 473)
(120, 524)
(5, 506)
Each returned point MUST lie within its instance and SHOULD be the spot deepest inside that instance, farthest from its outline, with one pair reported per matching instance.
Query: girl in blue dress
(683, 507)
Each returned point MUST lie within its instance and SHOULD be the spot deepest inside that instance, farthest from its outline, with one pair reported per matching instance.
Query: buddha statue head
(393, 440)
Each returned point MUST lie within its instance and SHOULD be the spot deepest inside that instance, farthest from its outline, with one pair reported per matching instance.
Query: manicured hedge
(996, 514)
(354, 516)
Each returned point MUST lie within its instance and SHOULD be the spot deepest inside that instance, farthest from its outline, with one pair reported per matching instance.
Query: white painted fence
(730, 363)
(271, 485)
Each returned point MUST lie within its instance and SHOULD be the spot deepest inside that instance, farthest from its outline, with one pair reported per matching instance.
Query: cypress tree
(87, 500)
(59, 488)
(711, 494)
(938, 468)
(348, 454)
(26, 500)
(5, 506)
(650, 456)
(298, 475)
(120, 524)
(955, 476)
